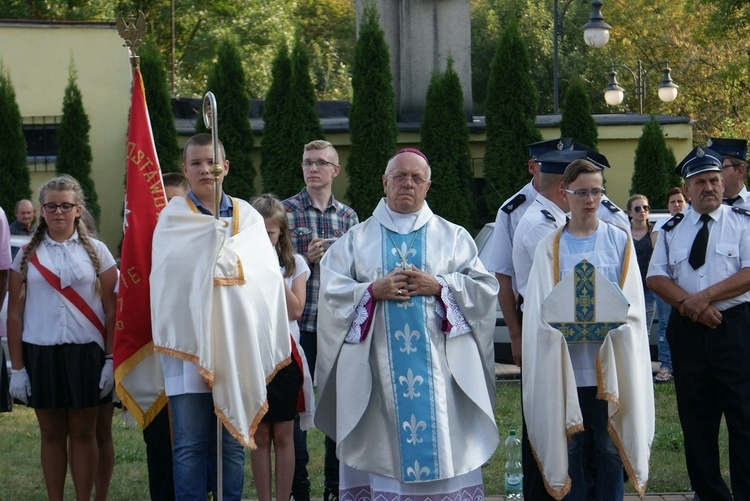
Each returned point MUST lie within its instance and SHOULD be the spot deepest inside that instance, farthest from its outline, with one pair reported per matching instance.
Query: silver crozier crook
(209, 119)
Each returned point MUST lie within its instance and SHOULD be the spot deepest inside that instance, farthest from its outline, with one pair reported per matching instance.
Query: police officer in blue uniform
(547, 213)
(501, 263)
(701, 267)
(733, 169)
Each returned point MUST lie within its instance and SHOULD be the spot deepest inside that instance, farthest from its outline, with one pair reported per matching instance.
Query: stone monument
(421, 36)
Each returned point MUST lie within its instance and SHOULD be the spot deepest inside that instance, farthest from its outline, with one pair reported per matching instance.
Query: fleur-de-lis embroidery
(404, 253)
(411, 381)
(407, 335)
(405, 304)
(414, 427)
(417, 471)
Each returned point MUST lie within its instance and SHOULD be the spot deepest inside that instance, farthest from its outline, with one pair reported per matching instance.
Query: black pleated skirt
(283, 391)
(64, 375)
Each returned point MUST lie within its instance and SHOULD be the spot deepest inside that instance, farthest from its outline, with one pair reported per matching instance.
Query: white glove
(107, 379)
(20, 386)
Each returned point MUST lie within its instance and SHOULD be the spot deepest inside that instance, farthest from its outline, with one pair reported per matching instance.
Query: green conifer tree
(654, 166)
(228, 82)
(73, 147)
(372, 119)
(577, 121)
(275, 154)
(160, 110)
(292, 119)
(510, 114)
(445, 142)
(14, 175)
(301, 116)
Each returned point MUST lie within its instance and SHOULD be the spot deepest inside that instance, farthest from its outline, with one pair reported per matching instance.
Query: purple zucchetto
(411, 150)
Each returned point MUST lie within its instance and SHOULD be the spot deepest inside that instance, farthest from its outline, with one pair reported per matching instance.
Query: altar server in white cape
(405, 353)
(603, 387)
(219, 320)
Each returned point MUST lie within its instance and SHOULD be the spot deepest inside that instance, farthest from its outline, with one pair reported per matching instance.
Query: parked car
(501, 337)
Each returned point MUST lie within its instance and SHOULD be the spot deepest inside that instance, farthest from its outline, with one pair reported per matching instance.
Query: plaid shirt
(305, 223)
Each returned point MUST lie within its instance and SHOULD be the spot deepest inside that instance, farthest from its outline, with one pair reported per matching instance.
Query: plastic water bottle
(513, 470)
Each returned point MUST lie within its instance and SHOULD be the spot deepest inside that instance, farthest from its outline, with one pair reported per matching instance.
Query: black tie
(698, 251)
(731, 201)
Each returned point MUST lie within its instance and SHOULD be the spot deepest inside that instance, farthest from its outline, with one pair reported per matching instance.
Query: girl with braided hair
(61, 314)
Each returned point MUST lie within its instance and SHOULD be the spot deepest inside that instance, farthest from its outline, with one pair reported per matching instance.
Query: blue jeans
(650, 300)
(609, 483)
(663, 310)
(194, 453)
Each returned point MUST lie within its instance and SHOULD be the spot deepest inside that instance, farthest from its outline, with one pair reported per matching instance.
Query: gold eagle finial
(132, 31)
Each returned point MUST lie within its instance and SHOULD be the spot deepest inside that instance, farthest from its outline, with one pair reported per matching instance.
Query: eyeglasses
(726, 166)
(317, 163)
(52, 208)
(401, 179)
(639, 208)
(583, 194)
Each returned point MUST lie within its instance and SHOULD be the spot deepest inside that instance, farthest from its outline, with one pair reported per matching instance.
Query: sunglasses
(639, 208)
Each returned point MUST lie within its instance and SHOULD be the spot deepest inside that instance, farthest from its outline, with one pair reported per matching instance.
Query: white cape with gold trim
(550, 399)
(217, 300)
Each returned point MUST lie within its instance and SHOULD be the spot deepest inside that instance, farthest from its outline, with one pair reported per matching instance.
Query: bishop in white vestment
(405, 353)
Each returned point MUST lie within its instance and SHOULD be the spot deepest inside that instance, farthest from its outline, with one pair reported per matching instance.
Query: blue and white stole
(409, 356)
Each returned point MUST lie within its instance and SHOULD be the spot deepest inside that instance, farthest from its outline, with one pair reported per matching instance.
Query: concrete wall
(37, 57)
(421, 36)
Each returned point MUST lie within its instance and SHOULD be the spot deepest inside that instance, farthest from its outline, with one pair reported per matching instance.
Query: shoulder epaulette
(740, 210)
(513, 203)
(548, 215)
(673, 221)
(609, 205)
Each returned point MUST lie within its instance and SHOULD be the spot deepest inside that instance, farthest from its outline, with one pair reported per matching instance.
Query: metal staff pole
(209, 119)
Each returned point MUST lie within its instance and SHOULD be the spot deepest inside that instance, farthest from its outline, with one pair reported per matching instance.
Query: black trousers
(308, 341)
(159, 457)
(712, 378)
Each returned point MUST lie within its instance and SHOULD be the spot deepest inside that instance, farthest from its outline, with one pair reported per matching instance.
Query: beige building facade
(618, 139)
(38, 57)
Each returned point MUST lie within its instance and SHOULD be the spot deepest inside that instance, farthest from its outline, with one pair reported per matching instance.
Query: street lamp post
(595, 34)
(667, 89)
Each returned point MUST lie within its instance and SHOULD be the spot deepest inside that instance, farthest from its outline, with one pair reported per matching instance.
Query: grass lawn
(21, 473)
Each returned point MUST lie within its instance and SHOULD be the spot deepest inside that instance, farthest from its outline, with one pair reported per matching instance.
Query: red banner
(138, 376)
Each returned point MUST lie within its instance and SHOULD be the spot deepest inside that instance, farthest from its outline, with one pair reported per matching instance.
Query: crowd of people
(394, 318)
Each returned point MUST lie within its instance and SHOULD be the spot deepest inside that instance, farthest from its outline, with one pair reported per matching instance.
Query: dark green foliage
(290, 122)
(511, 111)
(372, 119)
(275, 153)
(73, 148)
(674, 179)
(160, 110)
(577, 121)
(445, 141)
(654, 166)
(228, 83)
(14, 175)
